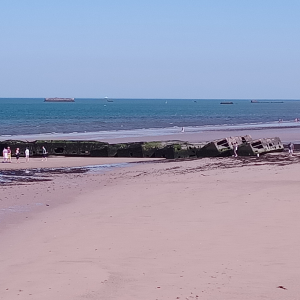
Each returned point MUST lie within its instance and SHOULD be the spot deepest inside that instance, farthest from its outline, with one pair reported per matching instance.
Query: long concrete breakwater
(245, 146)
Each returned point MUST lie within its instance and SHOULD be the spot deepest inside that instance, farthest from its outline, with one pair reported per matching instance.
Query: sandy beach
(219, 228)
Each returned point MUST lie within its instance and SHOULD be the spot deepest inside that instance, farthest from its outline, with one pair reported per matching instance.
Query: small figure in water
(182, 129)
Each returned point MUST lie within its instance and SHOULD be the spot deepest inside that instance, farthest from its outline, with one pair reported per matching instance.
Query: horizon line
(139, 98)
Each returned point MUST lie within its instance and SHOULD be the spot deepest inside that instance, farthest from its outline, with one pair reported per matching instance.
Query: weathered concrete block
(260, 147)
(152, 149)
(169, 149)
(125, 150)
(222, 147)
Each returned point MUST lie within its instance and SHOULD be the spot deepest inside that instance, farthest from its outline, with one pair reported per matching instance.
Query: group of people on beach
(7, 154)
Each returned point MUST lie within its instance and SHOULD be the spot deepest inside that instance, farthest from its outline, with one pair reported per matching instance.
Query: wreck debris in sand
(169, 149)
(223, 147)
(260, 146)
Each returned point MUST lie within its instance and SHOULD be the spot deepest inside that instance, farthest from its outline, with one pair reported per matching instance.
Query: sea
(121, 118)
(25, 118)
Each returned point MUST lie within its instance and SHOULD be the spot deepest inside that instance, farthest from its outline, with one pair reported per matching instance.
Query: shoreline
(286, 134)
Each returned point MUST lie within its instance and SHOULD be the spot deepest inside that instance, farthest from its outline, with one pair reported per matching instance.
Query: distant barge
(59, 99)
(256, 101)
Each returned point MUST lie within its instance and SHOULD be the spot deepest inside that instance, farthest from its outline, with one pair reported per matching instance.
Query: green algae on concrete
(167, 149)
(125, 150)
(73, 148)
(152, 149)
(59, 147)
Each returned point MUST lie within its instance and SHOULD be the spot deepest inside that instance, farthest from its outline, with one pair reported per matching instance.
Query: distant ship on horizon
(263, 101)
(56, 99)
(226, 102)
(108, 100)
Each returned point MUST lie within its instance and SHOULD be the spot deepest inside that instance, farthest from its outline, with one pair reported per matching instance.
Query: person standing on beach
(27, 155)
(8, 155)
(291, 149)
(44, 154)
(235, 148)
(17, 155)
(5, 155)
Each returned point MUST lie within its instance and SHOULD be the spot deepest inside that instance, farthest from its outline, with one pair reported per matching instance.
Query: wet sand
(67, 162)
(285, 134)
(219, 228)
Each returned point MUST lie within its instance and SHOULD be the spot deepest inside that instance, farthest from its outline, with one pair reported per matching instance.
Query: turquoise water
(34, 116)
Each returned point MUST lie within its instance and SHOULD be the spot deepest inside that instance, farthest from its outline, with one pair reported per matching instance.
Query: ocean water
(135, 117)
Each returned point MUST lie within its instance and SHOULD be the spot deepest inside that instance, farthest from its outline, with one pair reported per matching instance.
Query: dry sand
(196, 229)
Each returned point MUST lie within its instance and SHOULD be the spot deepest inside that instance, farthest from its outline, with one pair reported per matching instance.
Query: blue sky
(150, 49)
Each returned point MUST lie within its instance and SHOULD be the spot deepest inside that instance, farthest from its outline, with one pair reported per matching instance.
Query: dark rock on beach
(169, 149)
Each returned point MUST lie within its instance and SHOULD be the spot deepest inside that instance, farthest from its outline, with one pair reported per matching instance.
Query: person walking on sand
(235, 148)
(291, 149)
(44, 154)
(8, 155)
(17, 153)
(27, 155)
(5, 155)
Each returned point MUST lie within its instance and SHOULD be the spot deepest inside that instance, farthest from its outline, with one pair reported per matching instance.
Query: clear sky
(150, 48)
